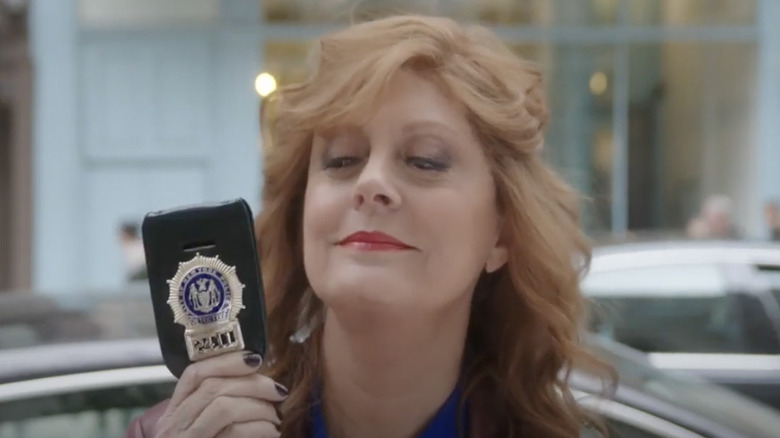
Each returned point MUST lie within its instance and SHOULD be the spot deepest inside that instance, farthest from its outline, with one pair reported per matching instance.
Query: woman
(417, 253)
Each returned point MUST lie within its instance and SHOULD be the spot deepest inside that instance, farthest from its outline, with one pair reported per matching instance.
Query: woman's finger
(253, 386)
(225, 365)
(252, 429)
(223, 412)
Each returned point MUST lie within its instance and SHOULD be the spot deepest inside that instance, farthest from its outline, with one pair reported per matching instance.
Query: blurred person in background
(416, 252)
(697, 228)
(132, 252)
(772, 219)
(714, 221)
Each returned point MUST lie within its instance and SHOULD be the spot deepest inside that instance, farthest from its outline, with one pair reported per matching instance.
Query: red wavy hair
(525, 325)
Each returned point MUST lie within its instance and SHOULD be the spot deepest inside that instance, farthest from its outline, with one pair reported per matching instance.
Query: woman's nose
(375, 188)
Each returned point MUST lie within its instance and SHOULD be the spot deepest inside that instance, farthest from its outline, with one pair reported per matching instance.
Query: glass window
(578, 139)
(691, 12)
(103, 413)
(683, 309)
(286, 60)
(691, 116)
(495, 12)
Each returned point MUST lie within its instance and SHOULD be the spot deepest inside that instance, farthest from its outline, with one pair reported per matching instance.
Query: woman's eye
(424, 163)
(341, 162)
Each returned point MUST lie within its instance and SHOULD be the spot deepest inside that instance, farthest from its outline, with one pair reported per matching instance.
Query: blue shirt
(443, 425)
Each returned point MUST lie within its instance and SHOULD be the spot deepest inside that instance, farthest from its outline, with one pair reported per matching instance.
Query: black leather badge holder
(205, 281)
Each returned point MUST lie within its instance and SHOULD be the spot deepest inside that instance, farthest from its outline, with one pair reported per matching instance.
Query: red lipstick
(373, 241)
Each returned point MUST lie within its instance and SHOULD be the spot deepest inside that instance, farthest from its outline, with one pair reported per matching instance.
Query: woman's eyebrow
(329, 139)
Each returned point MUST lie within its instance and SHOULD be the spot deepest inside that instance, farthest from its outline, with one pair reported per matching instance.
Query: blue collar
(443, 425)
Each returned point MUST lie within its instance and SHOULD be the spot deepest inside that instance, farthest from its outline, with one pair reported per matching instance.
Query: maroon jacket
(144, 426)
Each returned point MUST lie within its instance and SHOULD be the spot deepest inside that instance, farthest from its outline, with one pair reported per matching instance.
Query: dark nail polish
(253, 359)
(281, 390)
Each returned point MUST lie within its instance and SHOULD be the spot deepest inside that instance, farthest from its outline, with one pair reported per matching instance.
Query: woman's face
(400, 214)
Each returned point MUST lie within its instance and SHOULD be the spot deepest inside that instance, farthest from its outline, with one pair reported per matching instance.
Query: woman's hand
(223, 397)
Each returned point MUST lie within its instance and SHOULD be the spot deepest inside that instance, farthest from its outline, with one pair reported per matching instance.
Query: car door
(689, 317)
(638, 424)
(625, 421)
(97, 404)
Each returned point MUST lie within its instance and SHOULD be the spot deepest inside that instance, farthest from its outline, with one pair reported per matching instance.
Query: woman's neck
(387, 376)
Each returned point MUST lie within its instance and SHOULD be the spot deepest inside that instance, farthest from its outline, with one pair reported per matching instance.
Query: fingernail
(281, 390)
(253, 359)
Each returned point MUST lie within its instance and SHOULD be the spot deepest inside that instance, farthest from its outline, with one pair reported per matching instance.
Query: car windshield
(686, 393)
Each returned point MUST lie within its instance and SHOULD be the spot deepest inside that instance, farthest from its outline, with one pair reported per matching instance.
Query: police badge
(205, 282)
(205, 296)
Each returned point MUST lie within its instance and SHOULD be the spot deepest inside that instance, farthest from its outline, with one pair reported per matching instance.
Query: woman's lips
(373, 241)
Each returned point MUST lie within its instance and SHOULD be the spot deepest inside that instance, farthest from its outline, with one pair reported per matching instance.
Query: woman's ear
(498, 255)
(496, 258)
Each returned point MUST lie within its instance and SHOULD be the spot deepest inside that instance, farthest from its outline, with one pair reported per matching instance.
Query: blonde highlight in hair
(524, 333)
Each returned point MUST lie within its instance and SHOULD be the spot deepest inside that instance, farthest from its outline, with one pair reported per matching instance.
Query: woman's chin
(350, 300)
(365, 297)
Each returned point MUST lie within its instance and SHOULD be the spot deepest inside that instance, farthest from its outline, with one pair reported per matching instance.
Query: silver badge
(205, 295)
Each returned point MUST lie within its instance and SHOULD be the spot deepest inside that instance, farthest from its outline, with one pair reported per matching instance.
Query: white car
(94, 389)
(710, 308)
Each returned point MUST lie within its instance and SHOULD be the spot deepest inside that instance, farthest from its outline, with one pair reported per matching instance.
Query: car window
(674, 308)
(772, 275)
(103, 413)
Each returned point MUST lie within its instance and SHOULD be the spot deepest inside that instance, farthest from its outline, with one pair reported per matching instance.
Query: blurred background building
(15, 147)
(112, 108)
